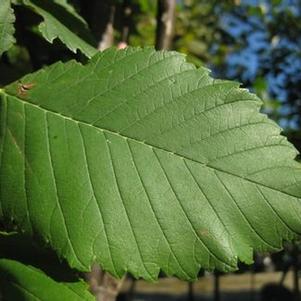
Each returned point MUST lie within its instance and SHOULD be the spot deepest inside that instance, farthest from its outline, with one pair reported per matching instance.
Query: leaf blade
(7, 30)
(23, 282)
(161, 132)
(61, 21)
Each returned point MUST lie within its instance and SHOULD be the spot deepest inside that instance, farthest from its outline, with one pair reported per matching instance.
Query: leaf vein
(109, 89)
(208, 199)
(150, 145)
(124, 206)
(155, 214)
(253, 229)
(56, 193)
(186, 215)
(274, 210)
(95, 199)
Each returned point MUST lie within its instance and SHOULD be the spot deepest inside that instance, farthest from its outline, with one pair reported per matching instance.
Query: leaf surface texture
(141, 162)
(7, 29)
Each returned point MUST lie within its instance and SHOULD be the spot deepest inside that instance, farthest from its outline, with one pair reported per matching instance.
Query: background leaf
(61, 21)
(23, 282)
(142, 162)
(7, 30)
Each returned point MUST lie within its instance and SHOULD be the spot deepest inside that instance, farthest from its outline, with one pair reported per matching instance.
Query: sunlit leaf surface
(141, 162)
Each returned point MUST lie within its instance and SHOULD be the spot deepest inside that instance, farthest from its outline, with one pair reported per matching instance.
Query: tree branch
(104, 286)
(100, 16)
(165, 23)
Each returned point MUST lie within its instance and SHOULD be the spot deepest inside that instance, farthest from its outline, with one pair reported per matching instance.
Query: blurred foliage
(263, 39)
(144, 29)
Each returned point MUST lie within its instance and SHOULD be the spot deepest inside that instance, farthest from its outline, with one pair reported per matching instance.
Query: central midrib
(143, 143)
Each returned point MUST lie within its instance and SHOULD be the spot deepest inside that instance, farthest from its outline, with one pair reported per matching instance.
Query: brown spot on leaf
(204, 232)
(23, 88)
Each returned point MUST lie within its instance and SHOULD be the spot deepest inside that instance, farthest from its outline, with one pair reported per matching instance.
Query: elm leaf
(19, 281)
(61, 21)
(141, 162)
(7, 29)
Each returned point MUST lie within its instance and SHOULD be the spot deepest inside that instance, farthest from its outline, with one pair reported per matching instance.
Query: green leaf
(23, 282)
(141, 162)
(7, 30)
(61, 21)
